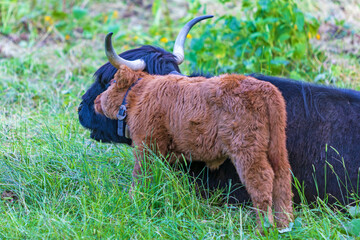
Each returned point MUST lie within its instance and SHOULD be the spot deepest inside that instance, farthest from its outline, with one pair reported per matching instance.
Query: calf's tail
(278, 155)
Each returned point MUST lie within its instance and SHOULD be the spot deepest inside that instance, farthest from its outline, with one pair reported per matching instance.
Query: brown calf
(209, 120)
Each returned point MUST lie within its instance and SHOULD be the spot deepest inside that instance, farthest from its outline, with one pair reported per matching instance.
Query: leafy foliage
(272, 38)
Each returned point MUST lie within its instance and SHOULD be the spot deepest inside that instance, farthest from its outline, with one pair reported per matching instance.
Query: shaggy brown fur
(209, 120)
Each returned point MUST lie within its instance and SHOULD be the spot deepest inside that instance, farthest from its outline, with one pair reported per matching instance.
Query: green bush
(272, 38)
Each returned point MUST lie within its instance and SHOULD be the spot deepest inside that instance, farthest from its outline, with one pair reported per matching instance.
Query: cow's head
(152, 60)
(109, 101)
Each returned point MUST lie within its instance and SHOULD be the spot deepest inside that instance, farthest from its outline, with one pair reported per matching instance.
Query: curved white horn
(116, 60)
(180, 40)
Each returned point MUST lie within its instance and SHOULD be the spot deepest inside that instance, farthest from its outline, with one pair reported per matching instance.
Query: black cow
(323, 133)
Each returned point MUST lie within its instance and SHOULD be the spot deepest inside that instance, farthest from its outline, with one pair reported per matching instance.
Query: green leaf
(320, 77)
(255, 35)
(353, 227)
(59, 15)
(156, 6)
(258, 52)
(113, 28)
(247, 4)
(297, 76)
(264, 4)
(87, 34)
(248, 65)
(298, 220)
(300, 21)
(7, 29)
(196, 44)
(234, 24)
(300, 50)
(61, 24)
(79, 12)
(279, 61)
(284, 37)
(354, 211)
(288, 229)
(220, 51)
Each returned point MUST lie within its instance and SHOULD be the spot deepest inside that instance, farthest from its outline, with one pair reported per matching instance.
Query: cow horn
(116, 60)
(180, 40)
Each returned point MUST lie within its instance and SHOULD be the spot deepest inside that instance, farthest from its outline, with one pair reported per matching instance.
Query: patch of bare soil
(9, 196)
(139, 12)
(341, 25)
(339, 34)
(9, 48)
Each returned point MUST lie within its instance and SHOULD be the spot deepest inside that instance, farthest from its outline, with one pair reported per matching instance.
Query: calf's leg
(257, 175)
(143, 145)
(282, 195)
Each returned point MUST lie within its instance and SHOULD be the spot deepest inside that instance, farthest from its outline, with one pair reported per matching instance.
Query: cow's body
(322, 140)
(323, 136)
(210, 120)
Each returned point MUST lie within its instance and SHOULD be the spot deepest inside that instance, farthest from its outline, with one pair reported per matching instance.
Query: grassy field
(57, 183)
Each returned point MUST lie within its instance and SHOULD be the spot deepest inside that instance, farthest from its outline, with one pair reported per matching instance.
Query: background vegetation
(55, 182)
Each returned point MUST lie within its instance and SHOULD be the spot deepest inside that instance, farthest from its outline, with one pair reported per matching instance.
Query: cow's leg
(258, 176)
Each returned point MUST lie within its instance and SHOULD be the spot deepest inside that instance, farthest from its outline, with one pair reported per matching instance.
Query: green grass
(69, 186)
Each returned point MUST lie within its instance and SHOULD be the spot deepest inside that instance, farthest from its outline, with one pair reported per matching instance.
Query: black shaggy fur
(323, 132)
(323, 137)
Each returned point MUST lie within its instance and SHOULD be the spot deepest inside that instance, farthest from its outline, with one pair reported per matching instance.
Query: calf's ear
(125, 77)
